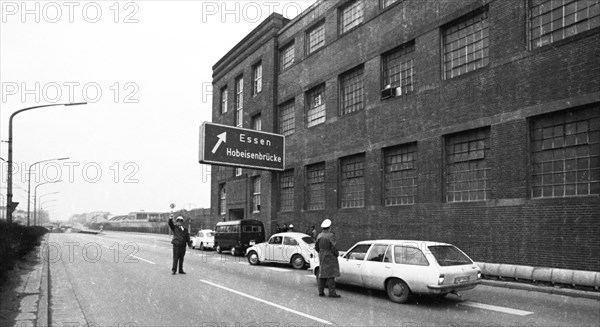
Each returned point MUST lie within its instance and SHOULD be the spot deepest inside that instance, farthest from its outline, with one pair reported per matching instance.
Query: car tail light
(441, 279)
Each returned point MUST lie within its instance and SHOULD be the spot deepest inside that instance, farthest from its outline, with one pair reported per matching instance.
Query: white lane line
(269, 303)
(131, 255)
(277, 269)
(496, 308)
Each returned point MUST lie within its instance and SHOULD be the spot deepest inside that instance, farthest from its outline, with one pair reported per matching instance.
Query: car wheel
(219, 250)
(253, 258)
(298, 262)
(233, 252)
(397, 290)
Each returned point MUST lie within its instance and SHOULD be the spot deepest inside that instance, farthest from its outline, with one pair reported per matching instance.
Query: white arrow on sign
(222, 139)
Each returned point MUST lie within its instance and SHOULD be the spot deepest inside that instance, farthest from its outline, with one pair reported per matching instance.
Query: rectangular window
(387, 3)
(400, 175)
(287, 118)
(238, 172)
(352, 186)
(224, 99)
(351, 91)
(257, 78)
(466, 44)
(351, 15)
(554, 20)
(315, 187)
(467, 174)
(257, 122)
(565, 153)
(315, 38)
(398, 69)
(315, 114)
(286, 191)
(286, 56)
(222, 199)
(256, 194)
(239, 101)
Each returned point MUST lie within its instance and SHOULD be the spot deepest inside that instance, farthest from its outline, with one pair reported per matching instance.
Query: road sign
(240, 147)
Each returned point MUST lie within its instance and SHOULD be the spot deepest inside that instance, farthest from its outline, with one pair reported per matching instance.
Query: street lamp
(10, 206)
(29, 182)
(35, 197)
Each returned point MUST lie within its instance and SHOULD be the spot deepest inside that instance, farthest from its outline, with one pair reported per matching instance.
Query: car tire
(219, 250)
(397, 290)
(298, 262)
(253, 258)
(233, 251)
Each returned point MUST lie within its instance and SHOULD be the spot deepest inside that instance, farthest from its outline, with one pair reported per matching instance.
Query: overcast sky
(145, 69)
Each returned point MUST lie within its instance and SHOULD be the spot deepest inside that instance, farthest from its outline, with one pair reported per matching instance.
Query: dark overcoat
(328, 253)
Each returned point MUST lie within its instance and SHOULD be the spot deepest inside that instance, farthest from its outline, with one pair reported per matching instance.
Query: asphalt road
(122, 279)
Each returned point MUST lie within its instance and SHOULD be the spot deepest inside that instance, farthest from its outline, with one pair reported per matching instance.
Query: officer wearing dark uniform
(329, 266)
(181, 238)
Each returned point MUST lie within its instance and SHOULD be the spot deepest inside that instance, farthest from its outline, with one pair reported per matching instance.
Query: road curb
(44, 301)
(542, 289)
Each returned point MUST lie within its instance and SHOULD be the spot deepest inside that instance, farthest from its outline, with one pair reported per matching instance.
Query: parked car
(238, 235)
(204, 239)
(402, 268)
(297, 249)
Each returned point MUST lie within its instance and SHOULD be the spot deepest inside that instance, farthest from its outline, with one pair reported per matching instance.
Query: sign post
(240, 147)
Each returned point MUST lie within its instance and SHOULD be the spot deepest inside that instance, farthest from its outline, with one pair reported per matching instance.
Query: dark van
(238, 235)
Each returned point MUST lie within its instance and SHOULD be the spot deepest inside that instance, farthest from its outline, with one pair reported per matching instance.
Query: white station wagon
(404, 267)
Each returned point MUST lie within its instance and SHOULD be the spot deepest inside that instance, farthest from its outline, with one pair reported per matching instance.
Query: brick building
(470, 122)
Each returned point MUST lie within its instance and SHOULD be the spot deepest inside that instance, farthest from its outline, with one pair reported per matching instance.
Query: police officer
(181, 238)
(329, 266)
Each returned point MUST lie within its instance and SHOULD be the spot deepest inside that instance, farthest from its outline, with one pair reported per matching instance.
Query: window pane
(466, 45)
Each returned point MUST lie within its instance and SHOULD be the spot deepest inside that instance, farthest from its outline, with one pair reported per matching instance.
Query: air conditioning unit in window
(388, 92)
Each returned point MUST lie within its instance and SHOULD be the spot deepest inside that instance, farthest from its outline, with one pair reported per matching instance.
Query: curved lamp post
(35, 197)
(10, 206)
(29, 182)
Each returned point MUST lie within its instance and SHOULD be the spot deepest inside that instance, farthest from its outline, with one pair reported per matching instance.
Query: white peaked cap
(326, 223)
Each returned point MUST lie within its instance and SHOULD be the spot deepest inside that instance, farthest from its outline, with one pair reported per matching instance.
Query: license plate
(252, 242)
(460, 280)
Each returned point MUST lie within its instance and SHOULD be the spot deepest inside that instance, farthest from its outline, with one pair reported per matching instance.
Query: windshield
(308, 239)
(210, 234)
(448, 255)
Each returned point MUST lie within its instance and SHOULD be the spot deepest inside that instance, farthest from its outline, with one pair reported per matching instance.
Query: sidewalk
(24, 295)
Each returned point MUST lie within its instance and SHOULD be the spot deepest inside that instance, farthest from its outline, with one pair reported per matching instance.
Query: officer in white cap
(329, 267)
(181, 238)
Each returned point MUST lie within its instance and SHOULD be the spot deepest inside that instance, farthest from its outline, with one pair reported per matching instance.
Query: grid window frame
(400, 175)
(351, 15)
(257, 78)
(352, 182)
(467, 177)
(257, 122)
(286, 191)
(316, 106)
(315, 38)
(315, 187)
(224, 99)
(551, 21)
(565, 154)
(222, 199)
(239, 101)
(256, 192)
(287, 117)
(466, 44)
(398, 68)
(351, 85)
(287, 56)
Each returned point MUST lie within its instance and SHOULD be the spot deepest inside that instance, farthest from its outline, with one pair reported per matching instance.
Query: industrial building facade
(470, 122)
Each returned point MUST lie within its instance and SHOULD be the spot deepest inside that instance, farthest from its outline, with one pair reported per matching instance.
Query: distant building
(471, 122)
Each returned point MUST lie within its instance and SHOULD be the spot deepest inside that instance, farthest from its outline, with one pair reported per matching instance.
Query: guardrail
(541, 274)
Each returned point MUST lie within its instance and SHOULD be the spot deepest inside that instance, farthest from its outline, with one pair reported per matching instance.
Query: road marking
(268, 302)
(496, 308)
(277, 269)
(148, 261)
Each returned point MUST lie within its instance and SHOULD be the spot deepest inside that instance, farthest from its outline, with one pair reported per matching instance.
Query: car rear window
(308, 240)
(448, 255)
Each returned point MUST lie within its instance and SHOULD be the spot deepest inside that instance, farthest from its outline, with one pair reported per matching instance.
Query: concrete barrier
(542, 274)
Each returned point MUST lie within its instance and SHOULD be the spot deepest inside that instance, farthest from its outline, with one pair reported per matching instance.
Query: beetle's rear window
(448, 255)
